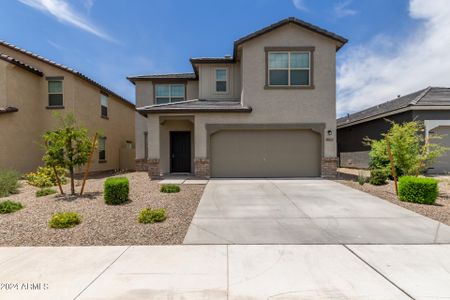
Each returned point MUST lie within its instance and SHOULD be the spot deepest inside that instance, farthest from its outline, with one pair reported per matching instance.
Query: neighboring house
(430, 105)
(33, 87)
(267, 111)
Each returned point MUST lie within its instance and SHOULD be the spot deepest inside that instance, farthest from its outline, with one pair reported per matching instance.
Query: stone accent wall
(329, 167)
(153, 168)
(141, 165)
(357, 159)
(202, 167)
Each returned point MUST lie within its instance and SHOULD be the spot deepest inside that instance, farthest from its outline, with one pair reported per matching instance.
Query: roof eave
(196, 110)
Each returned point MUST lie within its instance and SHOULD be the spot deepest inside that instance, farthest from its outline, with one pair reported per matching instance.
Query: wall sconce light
(330, 132)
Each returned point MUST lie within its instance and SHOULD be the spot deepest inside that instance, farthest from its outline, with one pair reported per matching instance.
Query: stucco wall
(29, 93)
(207, 81)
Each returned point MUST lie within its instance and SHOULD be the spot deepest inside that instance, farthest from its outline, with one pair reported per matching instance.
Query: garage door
(442, 164)
(265, 153)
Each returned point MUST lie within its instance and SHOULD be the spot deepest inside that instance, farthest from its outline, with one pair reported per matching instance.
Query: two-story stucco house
(32, 88)
(267, 111)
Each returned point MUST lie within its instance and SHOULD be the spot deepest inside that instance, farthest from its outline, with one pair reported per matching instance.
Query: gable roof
(65, 68)
(21, 64)
(291, 20)
(430, 96)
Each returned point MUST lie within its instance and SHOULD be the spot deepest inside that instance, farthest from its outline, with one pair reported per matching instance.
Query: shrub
(169, 188)
(7, 207)
(378, 177)
(45, 192)
(362, 178)
(116, 190)
(148, 215)
(45, 177)
(9, 182)
(64, 220)
(418, 189)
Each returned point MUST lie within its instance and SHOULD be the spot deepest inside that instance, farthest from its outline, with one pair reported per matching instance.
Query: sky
(395, 46)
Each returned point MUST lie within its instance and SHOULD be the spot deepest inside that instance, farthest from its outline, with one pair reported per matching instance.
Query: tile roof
(431, 96)
(189, 75)
(65, 68)
(21, 64)
(7, 109)
(197, 105)
(292, 20)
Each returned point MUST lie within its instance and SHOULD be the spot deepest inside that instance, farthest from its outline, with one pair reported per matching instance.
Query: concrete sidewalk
(227, 272)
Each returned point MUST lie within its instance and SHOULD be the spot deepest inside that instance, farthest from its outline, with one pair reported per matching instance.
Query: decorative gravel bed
(440, 211)
(101, 224)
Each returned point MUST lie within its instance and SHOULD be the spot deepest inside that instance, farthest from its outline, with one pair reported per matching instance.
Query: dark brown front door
(180, 151)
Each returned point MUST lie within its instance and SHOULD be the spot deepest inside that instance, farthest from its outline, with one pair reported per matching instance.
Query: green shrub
(64, 220)
(378, 177)
(148, 215)
(418, 189)
(7, 207)
(116, 190)
(45, 192)
(362, 179)
(9, 182)
(45, 177)
(169, 188)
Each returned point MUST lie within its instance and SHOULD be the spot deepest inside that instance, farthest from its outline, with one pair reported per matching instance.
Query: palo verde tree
(412, 153)
(68, 146)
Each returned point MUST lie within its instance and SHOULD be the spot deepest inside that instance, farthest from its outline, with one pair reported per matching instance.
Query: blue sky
(109, 40)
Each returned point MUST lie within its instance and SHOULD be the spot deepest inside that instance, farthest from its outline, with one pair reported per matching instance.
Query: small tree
(412, 154)
(68, 146)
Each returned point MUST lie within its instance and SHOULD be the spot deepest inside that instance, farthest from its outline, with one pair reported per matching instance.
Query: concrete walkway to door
(304, 211)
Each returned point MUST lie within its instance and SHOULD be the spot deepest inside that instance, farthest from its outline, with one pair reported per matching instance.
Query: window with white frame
(55, 93)
(289, 68)
(103, 105)
(165, 93)
(221, 80)
(102, 148)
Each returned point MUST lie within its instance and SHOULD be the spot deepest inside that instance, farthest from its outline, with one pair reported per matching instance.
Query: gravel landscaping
(440, 211)
(101, 224)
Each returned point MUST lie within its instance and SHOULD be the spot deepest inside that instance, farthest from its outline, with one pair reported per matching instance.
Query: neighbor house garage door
(265, 153)
(442, 164)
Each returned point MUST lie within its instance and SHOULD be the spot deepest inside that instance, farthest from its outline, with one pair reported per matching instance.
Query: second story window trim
(104, 101)
(169, 92)
(55, 92)
(221, 80)
(289, 67)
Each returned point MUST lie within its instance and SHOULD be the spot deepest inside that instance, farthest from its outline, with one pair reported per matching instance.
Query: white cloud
(342, 9)
(65, 13)
(300, 4)
(387, 66)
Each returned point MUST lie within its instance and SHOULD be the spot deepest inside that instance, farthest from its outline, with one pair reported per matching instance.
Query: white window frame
(107, 105)
(62, 92)
(170, 91)
(289, 69)
(226, 80)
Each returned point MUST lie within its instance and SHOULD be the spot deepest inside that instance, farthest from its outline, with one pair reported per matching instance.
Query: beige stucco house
(32, 88)
(267, 111)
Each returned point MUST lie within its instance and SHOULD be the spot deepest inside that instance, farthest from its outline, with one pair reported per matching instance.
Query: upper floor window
(165, 93)
(221, 80)
(104, 105)
(55, 93)
(289, 68)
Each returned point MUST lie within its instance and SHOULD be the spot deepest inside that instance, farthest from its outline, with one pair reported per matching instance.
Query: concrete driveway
(304, 211)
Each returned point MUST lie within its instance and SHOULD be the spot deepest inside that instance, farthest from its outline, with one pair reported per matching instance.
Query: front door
(180, 151)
